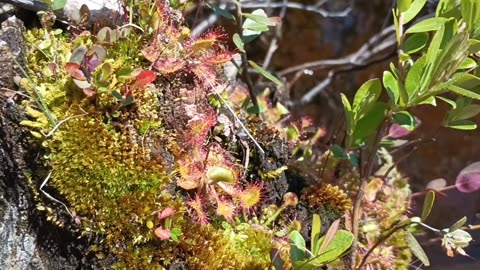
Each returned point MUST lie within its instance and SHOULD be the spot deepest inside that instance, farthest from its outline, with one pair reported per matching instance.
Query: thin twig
(299, 6)
(16, 92)
(364, 174)
(207, 23)
(274, 42)
(381, 41)
(50, 196)
(398, 161)
(234, 115)
(246, 156)
(378, 242)
(60, 123)
(244, 65)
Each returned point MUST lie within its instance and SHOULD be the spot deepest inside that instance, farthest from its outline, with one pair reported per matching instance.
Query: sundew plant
(160, 150)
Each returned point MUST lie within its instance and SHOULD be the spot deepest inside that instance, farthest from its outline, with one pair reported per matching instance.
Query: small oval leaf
(416, 248)
(428, 204)
(468, 180)
(457, 225)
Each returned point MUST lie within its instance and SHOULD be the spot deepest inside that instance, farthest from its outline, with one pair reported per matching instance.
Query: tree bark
(27, 240)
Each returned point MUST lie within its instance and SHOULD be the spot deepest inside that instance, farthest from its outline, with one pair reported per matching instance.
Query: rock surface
(27, 241)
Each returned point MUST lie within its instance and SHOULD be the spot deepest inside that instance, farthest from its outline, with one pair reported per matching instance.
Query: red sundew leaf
(205, 73)
(145, 77)
(191, 173)
(199, 126)
(151, 53)
(225, 209)
(468, 180)
(206, 41)
(218, 57)
(73, 69)
(169, 65)
(187, 183)
(197, 205)
(250, 196)
(162, 233)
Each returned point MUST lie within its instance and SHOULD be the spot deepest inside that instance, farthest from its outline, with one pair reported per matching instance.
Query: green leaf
(368, 124)
(78, 55)
(457, 225)
(427, 25)
(325, 241)
(256, 24)
(391, 86)
(428, 204)
(265, 73)
(117, 95)
(457, 238)
(45, 44)
(469, 111)
(403, 5)
(404, 119)
(276, 259)
(349, 121)
(316, 228)
(467, 85)
(340, 243)
(292, 133)
(469, 63)
(256, 109)
(297, 246)
(104, 34)
(413, 10)
(462, 125)
(451, 52)
(221, 174)
(414, 77)
(237, 40)
(403, 97)
(365, 97)
(58, 4)
(429, 101)
(338, 152)
(463, 112)
(448, 8)
(448, 101)
(220, 11)
(470, 10)
(416, 248)
(99, 51)
(474, 46)
(128, 101)
(82, 84)
(398, 33)
(259, 16)
(415, 43)
(175, 233)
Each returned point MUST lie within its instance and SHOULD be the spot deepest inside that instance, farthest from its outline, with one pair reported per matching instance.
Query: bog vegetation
(158, 158)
